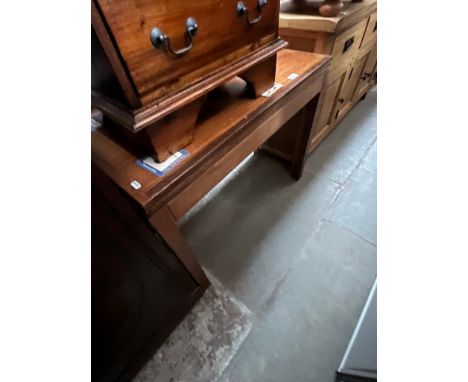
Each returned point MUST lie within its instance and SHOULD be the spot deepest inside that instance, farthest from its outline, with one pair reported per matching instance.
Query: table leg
(164, 223)
(308, 123)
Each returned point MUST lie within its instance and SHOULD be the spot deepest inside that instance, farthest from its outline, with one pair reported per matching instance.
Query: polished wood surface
(102, 45)
(299, 108)
(175, 131)
(137, 82)
(257, 67)
(261, 77)
(138, 119)
(222, 38)
(229, 110)
(137, 244)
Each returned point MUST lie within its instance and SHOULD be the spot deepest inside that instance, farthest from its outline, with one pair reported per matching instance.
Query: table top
(225, 112)
(303, 15)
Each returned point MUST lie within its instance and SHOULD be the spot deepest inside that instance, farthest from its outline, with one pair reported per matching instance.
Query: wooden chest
(151, 58)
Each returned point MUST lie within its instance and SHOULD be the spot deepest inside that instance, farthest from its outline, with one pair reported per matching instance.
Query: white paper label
(163, 166)
(272, 90)
(293, 76)
(135, 185)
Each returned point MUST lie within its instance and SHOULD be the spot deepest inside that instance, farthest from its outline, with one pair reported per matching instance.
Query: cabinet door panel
(329, 101)
(348, 88)
(367, 73)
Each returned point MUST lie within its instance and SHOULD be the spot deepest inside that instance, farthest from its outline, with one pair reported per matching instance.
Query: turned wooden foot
(261, 77)
(330, 8)
(174, 131)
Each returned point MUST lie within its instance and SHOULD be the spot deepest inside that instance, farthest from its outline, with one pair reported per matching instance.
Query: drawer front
(222, 36)
(370, 34)
(347, 43)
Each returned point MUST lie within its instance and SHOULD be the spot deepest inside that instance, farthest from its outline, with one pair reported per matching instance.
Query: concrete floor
(300, 255)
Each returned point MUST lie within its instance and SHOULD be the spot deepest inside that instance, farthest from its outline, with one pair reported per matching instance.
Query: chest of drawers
(151, 58)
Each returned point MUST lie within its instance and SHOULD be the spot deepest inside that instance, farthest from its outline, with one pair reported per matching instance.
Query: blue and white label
(160, 169)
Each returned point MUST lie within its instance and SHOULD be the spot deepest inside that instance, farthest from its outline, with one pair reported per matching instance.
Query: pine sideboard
(351, 39)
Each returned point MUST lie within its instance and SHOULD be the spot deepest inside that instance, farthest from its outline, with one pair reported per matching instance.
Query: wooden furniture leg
(175, 131)
(164, 223)
(308, 125)
(261, 77)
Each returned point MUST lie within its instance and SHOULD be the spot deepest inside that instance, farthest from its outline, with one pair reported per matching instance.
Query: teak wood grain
(137, 82)
(175, 131)
(137, 119)
(221, 38)
(303, 104)
(171, 119)
(230, 118)
(143, 225)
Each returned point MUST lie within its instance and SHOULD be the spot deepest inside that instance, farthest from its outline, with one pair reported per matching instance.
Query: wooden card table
(231, 125)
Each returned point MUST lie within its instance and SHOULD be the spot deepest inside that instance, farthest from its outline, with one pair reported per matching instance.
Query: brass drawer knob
(243, 10)
(162, 41)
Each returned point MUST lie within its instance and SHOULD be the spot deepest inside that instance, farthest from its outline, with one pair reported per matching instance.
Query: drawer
(370, 35)
(222, 36)
(347, 43)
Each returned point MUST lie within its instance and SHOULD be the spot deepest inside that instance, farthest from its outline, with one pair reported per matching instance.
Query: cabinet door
(367, 72)
(348, 88)
(329, 101)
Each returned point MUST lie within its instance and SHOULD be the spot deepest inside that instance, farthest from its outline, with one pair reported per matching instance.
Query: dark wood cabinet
(140, 290)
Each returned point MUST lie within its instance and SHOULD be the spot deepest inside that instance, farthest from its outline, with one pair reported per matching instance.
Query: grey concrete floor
(300, 255)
